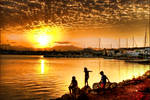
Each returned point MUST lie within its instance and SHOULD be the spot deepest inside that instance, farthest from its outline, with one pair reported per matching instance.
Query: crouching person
(103, 80)
(73, 88)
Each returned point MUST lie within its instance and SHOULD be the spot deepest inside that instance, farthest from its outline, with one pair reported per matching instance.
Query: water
(26, 77)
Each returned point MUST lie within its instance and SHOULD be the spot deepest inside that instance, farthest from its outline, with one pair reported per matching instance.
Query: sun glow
(45, 36)
(44, 40)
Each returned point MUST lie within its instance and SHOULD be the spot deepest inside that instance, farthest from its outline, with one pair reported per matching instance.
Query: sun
(44, 40)
(45, 36)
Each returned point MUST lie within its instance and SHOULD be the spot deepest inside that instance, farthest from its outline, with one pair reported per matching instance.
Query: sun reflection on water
(42, 66)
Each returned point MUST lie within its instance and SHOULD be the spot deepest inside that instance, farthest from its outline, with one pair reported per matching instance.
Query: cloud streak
(74, 13)
(80, 18)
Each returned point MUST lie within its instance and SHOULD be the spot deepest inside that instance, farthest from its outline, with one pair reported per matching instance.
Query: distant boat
(142, 61)
(109, 57)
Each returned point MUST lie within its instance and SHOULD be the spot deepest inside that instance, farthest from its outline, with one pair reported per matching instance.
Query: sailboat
(146, 55)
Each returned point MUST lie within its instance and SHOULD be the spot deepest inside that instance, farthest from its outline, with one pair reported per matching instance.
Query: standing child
(86, 76)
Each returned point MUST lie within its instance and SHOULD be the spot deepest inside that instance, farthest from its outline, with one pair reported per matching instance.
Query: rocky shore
(134, 89)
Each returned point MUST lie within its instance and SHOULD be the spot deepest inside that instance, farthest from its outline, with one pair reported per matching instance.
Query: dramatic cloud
(74, 13)
(81, 19)
(65, 42)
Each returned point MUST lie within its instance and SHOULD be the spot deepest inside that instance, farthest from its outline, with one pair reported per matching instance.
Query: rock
(66, 97)
(121, 84)
(143, 77)
(83, 96)
(107, 85)
(96, 86)
(93, 92)
(58, 99)
(147, 73)
(113, 85)
(77, 90)
(86, 89)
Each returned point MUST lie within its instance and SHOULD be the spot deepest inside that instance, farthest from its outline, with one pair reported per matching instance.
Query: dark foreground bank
(135, 89)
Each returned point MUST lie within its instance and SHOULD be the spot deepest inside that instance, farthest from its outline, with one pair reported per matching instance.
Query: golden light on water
(42, 66)
(132, 72)
(45, 36)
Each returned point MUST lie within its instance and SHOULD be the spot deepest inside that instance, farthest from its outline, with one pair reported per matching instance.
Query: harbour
(74, 49)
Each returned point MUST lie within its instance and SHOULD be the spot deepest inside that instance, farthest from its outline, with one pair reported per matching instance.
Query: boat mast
(111, 46)
(119, 43)
(127, 42)
(145, 38)
(99, 43)
(133, 41)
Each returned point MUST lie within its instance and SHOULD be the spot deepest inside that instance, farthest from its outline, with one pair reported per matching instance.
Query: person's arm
(107, 79)
(77, 84)
(71, 83)
(100, 80)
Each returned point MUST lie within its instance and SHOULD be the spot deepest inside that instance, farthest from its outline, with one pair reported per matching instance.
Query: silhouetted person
(73, 85)
(86, 76)
(103, 79)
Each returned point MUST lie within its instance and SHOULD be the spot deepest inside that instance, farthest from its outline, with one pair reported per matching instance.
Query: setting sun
(43, 40)
(45, 36)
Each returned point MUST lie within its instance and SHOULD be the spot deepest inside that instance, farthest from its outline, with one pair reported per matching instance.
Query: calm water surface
(26, 77)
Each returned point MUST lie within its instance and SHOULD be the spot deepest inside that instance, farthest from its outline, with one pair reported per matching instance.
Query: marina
(74, 49)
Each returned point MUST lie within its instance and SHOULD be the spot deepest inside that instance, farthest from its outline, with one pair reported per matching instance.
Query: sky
(83, 23)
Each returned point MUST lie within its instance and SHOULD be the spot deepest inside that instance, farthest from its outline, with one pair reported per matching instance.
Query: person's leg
(74, 93)
(85, 81)
(103, 88)
(70, 88)
(102, 85)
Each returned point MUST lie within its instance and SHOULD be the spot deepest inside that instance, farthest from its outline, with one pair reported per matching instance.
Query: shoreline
(126, 59)
(133, 89)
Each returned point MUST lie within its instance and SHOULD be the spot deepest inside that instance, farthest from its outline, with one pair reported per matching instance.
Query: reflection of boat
(54, 56)
(122, 58)
(108, 57)
(143, 61)
(126, 58)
